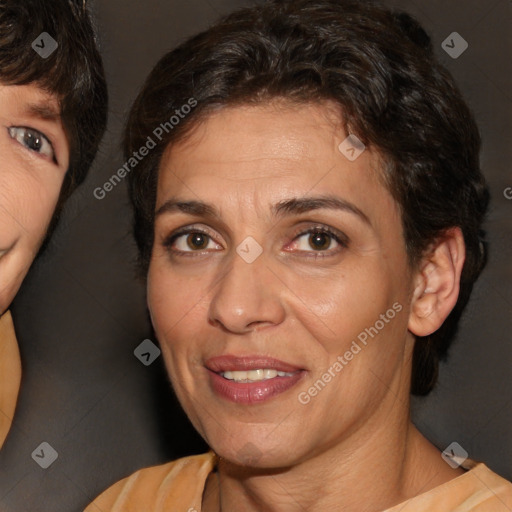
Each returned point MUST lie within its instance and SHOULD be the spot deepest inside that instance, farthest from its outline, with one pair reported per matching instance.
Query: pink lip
(250, 392)
(231, 363)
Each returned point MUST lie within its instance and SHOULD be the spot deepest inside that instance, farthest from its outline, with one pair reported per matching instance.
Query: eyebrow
(283, 208)
(43, 111)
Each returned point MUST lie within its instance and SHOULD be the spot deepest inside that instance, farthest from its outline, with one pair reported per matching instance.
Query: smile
(251, 379)
(255, 375)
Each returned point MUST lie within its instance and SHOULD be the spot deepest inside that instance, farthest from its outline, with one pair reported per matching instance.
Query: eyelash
(341, 239)
(38, 135)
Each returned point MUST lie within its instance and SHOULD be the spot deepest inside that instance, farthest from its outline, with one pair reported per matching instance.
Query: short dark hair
(73, 73)
(378, 65)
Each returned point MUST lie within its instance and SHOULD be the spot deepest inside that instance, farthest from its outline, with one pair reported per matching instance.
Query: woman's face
(293, 260)
(34, 158)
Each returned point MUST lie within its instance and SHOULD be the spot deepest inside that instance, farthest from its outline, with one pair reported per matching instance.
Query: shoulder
(10, 374)
(492, 492)
(177, 485)
(478, 490)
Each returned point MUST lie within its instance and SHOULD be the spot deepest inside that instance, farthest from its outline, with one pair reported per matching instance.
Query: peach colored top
(178, 487)
(10, 374)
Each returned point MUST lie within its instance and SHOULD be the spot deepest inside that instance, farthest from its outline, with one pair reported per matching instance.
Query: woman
(310, 230)
(53, 107)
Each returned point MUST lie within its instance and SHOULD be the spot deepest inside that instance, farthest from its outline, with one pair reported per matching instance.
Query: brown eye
(189, 241)
(320, 241)
(197, 241)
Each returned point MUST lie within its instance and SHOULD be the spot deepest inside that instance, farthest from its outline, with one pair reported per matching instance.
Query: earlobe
(437, 282)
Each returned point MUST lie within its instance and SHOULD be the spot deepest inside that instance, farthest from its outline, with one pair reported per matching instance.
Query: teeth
(254, 375)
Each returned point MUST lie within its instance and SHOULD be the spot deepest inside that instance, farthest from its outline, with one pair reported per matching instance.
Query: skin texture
(31, 176)
(353, 443)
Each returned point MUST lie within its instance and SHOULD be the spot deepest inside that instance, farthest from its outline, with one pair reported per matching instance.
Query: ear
(436, 283)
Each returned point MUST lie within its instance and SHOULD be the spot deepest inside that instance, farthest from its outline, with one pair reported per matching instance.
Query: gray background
(81, 313)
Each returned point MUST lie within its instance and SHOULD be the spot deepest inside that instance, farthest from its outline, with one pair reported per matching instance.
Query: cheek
(337, 307)
(178, 309)
(171, 294)
(26, 208)
(27, 204)
(354, 319)
(176, 304)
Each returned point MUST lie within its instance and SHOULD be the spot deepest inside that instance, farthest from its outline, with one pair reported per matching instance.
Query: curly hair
(378, 65)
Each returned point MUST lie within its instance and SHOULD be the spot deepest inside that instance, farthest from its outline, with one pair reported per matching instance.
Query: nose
(247, 296)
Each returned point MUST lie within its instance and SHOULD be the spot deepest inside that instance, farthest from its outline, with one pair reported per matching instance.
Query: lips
(230, 363)
(230, 377)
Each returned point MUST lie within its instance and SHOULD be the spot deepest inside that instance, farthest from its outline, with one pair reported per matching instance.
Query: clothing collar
(10, 374)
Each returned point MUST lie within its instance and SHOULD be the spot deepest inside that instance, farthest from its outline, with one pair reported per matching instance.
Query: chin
(249, 452)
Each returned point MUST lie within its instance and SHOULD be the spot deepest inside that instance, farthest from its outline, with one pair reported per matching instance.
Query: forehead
(31, 100)
(275, 130)
(269, 149)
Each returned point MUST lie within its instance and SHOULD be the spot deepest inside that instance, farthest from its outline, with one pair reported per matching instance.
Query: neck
(375, 469)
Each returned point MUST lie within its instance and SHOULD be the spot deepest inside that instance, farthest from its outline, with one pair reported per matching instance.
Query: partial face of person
(279, 283)
(34, 157)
